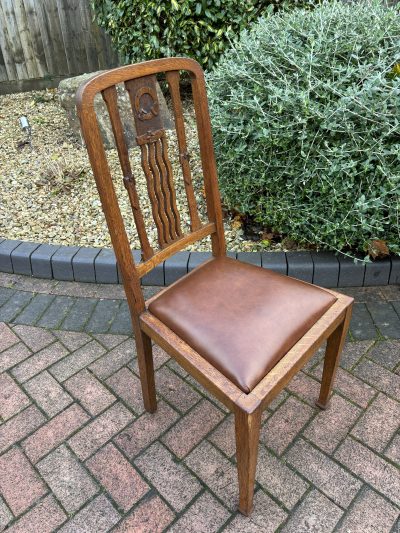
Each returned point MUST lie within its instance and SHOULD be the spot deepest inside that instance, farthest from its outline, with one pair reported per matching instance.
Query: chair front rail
(226, 391)
(302, 351)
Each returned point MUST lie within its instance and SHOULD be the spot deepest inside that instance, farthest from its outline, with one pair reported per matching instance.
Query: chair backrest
(140, 83)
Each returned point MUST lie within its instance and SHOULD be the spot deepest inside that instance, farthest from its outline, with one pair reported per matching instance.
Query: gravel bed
(47, 190)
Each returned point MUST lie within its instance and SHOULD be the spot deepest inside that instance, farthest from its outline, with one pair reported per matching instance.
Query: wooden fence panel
(43, 41)
(3, 70)
(51, 35)
(32, 16)
(11, 43)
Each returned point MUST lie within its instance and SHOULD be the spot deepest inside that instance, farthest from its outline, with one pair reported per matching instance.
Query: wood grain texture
(146, 367)
(41, 38)
(176, 246)
(173, 79)
(333, 352)
(302, 351)
(110, 98)
(247, 432)
(156, 165)
(139, 80)
(226, 391)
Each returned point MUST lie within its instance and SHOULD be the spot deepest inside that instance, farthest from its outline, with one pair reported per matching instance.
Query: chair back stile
(141, 84)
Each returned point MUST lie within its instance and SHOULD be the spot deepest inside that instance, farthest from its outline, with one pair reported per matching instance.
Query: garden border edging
(98, 265)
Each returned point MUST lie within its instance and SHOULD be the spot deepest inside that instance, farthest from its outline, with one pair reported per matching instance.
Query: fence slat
(36, 37)
(3, 69)
(26, 36)
(12, 50)
(50, 31)
(89, 37)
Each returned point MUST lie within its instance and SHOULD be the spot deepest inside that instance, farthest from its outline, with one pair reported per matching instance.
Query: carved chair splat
(282, 321)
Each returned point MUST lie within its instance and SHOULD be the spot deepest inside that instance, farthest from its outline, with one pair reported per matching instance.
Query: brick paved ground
(78, 452)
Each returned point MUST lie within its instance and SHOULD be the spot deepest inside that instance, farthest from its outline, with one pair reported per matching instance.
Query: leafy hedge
(306, 116)
(202, 29)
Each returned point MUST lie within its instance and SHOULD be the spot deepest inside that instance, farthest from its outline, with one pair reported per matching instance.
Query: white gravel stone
(47, 189)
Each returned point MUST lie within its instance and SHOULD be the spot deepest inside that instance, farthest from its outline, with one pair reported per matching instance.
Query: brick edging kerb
(98, 265)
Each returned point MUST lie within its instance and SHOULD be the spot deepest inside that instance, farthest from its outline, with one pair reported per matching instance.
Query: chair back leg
(146, 369)
(247, 429)
(333, 352)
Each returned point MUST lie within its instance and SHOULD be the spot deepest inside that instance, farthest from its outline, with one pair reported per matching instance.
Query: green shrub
(202, 29)
(306, 117)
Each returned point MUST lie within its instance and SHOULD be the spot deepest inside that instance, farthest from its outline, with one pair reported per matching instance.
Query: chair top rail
(87, 92)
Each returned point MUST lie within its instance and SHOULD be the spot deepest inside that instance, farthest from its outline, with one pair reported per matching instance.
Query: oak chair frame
(331, 327)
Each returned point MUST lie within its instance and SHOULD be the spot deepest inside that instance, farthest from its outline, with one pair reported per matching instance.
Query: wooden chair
(242, 331)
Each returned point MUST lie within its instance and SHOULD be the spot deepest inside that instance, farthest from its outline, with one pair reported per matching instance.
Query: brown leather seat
(212, 306)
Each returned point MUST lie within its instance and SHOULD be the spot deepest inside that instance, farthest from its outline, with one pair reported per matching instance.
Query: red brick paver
(18, 427)
(20, 485)
(12, 398)
(266, 517)
(370, 513)
(116, 474)
(38, 362)
(279, 480)
(145, 430)
(88, 390)
(13, 355)
(35, 338)
(151, 516)
(205, 514)
(103, 428)
(379, 423)
(192, 428)
(67, 478)
(330, 427)
(215, 471)
(284, 425)
(45, 517)
(127, 386)
(393, 450)
(7, 337)
(174, 482)
(175, 390)
(373, 469)
(324, 473)
(47, 393)
(78, 453)
(54, 432)
(98, 516)
(316, 513)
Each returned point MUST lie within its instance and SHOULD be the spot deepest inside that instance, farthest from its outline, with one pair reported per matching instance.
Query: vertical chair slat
(110, 98)
(155, 161)
(170, 184)
(157, 179)
(154, 194)
(213, 200)
(173, 79)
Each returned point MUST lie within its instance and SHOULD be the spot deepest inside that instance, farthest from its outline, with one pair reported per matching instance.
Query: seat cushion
(241, 318)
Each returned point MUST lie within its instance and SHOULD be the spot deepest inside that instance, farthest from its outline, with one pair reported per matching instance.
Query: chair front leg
(146, 370)
(247, 429)
(333, 352)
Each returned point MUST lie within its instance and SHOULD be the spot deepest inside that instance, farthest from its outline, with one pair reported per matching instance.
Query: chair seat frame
(331, 327)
